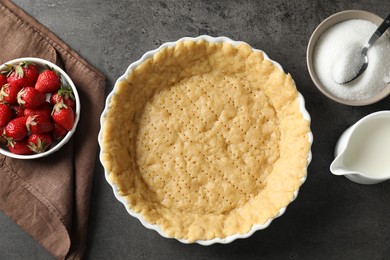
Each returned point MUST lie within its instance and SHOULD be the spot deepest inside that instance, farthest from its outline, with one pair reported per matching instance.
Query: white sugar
(349, 64)
(337, 57)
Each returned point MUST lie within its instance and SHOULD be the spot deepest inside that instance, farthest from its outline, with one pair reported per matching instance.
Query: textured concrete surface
(332, 217)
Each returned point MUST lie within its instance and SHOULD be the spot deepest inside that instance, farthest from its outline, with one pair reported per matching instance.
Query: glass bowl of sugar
(342, 33)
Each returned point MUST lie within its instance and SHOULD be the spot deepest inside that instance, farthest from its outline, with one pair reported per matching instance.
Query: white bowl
(316, 35)
(155, 227)
(42, 63)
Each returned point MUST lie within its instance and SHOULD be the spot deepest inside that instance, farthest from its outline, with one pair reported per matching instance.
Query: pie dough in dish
(205, 140)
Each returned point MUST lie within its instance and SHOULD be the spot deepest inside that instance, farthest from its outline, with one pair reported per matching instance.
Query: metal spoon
(378, 33)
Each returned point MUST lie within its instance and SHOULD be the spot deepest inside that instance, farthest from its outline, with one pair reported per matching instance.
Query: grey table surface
(332, 218)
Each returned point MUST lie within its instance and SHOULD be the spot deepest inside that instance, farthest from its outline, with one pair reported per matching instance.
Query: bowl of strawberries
(39, 108)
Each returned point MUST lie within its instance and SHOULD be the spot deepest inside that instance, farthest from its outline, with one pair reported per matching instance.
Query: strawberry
(20, 147)
(23, 75)
(64, 94)
(63, 115)
(39, 143)
(9, 93)
(44, 109)
(39, 124)
(48, 81)
(3, 80)
(58, 131)
(29, 97)
(16, 129)
(5, 114)
(55, 98)
(17, 110)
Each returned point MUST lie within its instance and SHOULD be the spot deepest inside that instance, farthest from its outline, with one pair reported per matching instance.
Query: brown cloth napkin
(49, 197)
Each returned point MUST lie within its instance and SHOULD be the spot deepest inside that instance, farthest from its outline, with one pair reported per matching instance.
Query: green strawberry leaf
(66, 92)
(19, 71)
(8, 71)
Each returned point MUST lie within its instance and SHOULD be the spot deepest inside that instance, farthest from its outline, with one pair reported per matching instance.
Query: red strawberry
(29, 97)
(39, 124)
(39, 143)
(44, 109)
(63, 115)
(64, 94)
(5, 114)
(55, 98)
(16, 129)
(24, 74)
(9, 93)
(58, 131)
(17, 110)
(20, 147)
(3, 80)
(48, 81)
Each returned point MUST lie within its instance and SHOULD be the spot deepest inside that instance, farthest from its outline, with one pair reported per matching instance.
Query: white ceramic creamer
(363, 150)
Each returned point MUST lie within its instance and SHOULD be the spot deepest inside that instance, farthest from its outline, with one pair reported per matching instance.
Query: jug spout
(337, 167)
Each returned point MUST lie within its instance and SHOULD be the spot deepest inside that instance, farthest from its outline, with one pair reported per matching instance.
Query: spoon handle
(381, 29)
